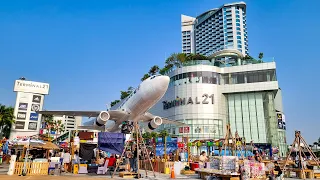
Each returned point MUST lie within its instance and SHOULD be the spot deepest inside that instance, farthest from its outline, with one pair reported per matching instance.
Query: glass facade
(186, 42)
(209, 77)
(246, 116)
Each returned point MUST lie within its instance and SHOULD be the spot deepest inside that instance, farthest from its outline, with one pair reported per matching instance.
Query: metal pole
(137, 134)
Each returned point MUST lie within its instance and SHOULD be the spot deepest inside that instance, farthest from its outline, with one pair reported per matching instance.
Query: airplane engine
(154, 123)
(102, 118)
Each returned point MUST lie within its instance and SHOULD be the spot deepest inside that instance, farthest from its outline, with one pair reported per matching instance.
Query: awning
(46, 145)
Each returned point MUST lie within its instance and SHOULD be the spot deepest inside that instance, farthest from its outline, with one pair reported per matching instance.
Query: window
(238, 37)
(238, 33)
(237, 24)
(238, 20)
(238, 29)
(237, 16)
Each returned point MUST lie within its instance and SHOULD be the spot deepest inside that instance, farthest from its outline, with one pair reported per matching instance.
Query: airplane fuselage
(148, 93)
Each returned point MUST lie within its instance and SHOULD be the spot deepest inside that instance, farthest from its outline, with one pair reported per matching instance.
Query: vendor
(203, 158)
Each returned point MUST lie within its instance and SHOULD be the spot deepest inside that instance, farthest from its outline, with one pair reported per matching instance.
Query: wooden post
(165, 147)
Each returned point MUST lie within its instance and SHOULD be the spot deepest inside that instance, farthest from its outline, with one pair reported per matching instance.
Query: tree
(114, 102)
(6, 120)
(48, 119)
(125, 94)
(163, 133)
(153, 70)
(196, 57)
(154, 134)
(145, 76)
(260, 55)
(52, 125)
(146, 135)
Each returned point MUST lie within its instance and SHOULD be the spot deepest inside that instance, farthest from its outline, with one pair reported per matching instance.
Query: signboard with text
(30, 98)
(32, 87)
(184, 129)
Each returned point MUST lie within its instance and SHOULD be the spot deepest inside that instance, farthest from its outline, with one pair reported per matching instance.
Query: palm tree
(48, 119)
(6, 120)
(176, 59)
(154, 134)
(145, 76)
(58, 127)
(125, 94)
(197, 57)
(114, 102)
(163, 133)
(260, 56)
(154, 70)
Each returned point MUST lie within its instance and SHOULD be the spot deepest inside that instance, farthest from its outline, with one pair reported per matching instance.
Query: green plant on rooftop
(125, 94)
(145, 76)
(251, 60)
(177, 59)
(260, 55)
(153, 70)
(114, 102)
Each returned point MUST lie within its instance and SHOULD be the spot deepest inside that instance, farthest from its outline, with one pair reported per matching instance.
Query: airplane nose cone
(162, 83)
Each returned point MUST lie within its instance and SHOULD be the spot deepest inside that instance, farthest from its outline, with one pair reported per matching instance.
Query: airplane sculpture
(134, 108)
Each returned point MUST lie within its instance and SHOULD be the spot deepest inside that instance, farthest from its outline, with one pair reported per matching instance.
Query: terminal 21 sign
(205, 99)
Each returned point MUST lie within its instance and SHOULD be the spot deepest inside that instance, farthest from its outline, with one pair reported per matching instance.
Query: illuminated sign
(205, 99)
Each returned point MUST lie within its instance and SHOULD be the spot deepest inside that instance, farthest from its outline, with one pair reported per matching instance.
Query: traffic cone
(172, 173)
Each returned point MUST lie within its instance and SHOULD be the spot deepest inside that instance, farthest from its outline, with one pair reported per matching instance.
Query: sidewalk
(142, 172)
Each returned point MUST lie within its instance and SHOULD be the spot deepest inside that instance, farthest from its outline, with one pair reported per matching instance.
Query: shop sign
(204, 99)
(184, 129)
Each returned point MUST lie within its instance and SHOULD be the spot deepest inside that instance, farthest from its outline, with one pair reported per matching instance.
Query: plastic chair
(104, 169)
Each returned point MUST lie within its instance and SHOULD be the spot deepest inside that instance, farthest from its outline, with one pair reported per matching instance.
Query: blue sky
(88, 52)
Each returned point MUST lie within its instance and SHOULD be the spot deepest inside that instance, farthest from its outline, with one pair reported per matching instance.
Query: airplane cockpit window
(152, 77)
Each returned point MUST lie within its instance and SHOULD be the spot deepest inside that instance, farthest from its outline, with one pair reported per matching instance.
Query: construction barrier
(32, 168)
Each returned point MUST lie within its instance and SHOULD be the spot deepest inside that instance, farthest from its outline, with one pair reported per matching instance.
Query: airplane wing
(101, 128)
(148, 116)
(72, 113)
(115, 115)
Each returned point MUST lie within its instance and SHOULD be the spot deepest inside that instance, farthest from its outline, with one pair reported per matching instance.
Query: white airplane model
(134, 108)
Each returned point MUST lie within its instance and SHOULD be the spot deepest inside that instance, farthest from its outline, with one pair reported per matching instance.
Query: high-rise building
(215, 30)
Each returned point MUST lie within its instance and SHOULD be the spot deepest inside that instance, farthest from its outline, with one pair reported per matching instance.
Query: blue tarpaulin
(111, 142)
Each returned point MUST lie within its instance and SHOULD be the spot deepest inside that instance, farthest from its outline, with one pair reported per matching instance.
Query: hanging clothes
(86, 151)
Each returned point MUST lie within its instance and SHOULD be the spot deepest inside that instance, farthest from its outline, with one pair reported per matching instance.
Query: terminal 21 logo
(21, 115)
(206, 99)
(34, 116)
(23, 106)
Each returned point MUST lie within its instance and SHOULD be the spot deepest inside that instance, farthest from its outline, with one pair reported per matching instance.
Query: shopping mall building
(207, 98)
(208, 95)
